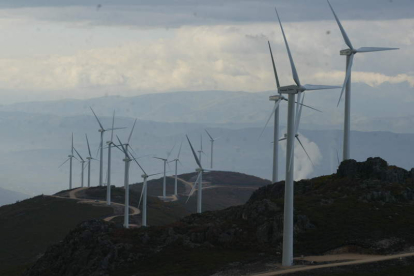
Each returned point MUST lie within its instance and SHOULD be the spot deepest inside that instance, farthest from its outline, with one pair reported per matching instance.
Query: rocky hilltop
(364, 207)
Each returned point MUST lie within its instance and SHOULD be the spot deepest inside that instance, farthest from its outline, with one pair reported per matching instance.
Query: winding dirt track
(356, 260)
(72, 195)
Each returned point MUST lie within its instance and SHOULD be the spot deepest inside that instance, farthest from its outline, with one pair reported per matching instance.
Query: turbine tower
(102, 131)
(350, 53)
(83, 166)
(277, 99)
(199, 180)
(89, 158)
(176, 160)
(212, 148)
(164, 181)
(144, 193)
(127, 161)
(292, 128)
(70, 156)
(108, 182)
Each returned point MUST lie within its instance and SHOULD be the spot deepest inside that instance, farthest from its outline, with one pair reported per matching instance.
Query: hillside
(365, 207)
(8, 197)
(30, 226)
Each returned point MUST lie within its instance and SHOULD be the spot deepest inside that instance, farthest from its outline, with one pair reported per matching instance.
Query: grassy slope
(30, 226)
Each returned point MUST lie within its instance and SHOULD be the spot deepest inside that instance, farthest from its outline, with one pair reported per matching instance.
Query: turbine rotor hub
(346, 52)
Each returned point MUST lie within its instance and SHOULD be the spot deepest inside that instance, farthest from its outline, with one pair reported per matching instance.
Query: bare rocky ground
(364, 208)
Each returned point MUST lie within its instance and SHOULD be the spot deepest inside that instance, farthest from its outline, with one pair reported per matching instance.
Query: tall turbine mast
(350, 53)
(127, 161)
(102, 131)
(82, 162)
(176, 160)
(292, 91)
(212, 148)
(277, 99)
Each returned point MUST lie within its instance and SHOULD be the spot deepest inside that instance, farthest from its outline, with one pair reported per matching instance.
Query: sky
(84, 49)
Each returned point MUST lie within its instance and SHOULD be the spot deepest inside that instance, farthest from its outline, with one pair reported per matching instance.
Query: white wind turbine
(144, 193)
(201, 148)
(127, 161)
(89, 158)
(199, 180)
(176, 160)
(350, 53)
(212, 148)
(101, 130)
(82, 162)
(164, 181)
(292, 129)
(70, 156)
(277, 99)
(108, 182)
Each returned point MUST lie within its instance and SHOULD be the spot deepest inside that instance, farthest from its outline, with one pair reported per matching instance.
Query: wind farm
(275, 190)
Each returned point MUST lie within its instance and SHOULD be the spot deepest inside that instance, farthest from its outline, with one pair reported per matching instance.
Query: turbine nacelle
(347, 52)
(144, 176)
(275, 98)
(290, 89)
(71, 156)
(89, 158)
(199, 170)
(101, 130)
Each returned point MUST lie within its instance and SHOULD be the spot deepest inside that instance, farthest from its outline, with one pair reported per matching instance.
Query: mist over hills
(37, 139)
(9, 197)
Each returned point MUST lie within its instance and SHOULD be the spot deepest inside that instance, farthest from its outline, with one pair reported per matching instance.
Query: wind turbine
(176, 160)
(108, 182)
(144, 193)
(89, 158)
(199, 179)
(277, 99)
(201, 147)
(83, 166)
(127, 161)
(350, 53)
(164, 182)
(212, 145)
(70, 156)
(292, 129)
(101, 130)
(300, 142)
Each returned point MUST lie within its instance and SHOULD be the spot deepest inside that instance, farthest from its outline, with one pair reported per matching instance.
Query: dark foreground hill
(28, 227)
(366, 207)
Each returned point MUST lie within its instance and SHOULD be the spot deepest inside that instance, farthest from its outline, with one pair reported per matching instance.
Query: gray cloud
(182, 12)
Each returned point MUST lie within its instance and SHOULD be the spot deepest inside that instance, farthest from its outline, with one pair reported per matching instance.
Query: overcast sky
(83, 49)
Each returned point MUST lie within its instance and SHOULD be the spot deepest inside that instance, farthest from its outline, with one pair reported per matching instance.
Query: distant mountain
(9, 197)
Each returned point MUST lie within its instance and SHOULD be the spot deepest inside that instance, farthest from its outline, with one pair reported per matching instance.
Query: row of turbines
(129, 156)
(295, 100)
(295, 104)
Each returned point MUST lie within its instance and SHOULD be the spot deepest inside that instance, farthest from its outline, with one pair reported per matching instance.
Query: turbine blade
(344, 35)
(311, 87)
(142, 192)
(113, 125)
(122, 146)
(305, 150)
(274, 66)
(337, 157)
(99, 122)
(374, 49)
(270, 117)
(64, 163)
(169, 153)
(282, 139)
(209, 135)
(348, 74)
(309, 107)
(72, 144)
(142, 169)
(179, 151)
(193, 188)
(155, 174)
(115, 128)
(132, 130)
(159, 158)
(299, 114)
(89, 148)
(292, 64)
(78, 154)
(195, 155)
